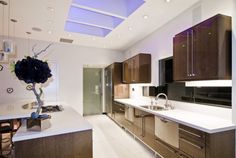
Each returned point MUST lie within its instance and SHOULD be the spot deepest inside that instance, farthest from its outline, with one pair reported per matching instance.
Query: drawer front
(192, 135)
(193, 149)
(140, 113)
(183, 155)
(191, 132)
(165, 150)
(118, 108)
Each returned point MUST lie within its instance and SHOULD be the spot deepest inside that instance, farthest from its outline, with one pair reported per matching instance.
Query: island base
(70, 145)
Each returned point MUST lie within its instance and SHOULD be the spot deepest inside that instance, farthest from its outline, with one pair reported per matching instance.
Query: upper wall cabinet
(203, 52)
(137, 69)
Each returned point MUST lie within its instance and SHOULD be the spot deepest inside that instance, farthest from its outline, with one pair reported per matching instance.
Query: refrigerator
(114, 88)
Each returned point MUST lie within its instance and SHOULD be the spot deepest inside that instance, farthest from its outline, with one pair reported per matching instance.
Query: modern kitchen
(120, 78)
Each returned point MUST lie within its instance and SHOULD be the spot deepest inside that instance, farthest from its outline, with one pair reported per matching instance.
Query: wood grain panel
(72, 145)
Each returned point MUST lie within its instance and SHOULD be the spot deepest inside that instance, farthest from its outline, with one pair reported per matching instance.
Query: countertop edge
(210, 131)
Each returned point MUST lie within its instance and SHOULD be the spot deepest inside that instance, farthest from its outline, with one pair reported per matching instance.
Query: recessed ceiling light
(49, 31)
(51, 9)
(130, 28)
(50, 22)
(13, 20)
(145, 17)
(36, 29)
(167, 1)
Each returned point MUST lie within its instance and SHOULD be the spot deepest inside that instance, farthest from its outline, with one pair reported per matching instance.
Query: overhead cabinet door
(181, 56)
(203, 52)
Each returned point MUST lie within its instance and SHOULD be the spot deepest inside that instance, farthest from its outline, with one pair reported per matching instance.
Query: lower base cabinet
(220, 145)
(71, 145)
(164, 150)
(193, 143)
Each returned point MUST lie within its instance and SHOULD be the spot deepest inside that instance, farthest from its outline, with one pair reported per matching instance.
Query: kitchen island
(69, 135)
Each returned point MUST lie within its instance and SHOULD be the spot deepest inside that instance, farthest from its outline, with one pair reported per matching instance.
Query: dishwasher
(167, 131)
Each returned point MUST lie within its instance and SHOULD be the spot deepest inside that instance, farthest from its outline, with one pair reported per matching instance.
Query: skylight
(99, 17)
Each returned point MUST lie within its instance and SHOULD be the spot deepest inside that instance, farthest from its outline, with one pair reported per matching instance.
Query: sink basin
(153, 107)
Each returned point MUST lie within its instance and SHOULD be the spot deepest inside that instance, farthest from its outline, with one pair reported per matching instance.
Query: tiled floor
(110, 141)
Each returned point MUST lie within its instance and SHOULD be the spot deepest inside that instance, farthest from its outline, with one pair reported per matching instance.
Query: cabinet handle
(181, 156)
(187, 54)
(188, 142)
(164, 120)
(121, 110)
(199, 136)
(192, 52)
(143, 125)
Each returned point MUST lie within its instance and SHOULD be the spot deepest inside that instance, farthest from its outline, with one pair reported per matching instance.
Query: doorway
(92, 91)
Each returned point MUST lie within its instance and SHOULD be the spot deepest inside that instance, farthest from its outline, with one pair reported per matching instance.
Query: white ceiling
(38, 13)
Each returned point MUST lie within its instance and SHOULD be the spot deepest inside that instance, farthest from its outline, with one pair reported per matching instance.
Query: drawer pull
(181, 156)
(164, 120)
(122, 110)
(199, 136)
(186, 141)
(173, 151)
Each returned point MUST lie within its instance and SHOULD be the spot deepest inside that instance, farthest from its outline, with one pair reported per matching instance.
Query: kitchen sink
(153, 107)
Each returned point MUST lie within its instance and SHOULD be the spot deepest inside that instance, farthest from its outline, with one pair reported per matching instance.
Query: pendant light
(2, 54)
(7, 45)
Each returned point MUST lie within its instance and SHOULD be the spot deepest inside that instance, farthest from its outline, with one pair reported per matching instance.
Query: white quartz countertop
(66, 121)
(203, 122)
(63, 122)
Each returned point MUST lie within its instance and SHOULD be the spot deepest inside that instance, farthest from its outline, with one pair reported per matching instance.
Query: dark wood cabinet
(193, 143)
(126, 75)
(199, 144)
(203, 52)
(137, 69)
(118, 113)
(220, 144)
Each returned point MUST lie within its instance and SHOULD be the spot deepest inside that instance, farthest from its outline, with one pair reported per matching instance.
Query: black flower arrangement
(33, 71)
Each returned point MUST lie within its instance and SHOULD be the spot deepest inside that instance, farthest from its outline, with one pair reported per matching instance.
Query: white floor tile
(110, 141)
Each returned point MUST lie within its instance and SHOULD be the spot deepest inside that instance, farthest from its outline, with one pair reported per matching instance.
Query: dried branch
(36, 54)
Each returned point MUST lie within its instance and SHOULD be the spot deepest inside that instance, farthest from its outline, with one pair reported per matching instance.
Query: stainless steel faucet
(167, 105)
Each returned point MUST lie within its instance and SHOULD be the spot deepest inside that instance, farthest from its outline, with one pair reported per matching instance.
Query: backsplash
(216, 96)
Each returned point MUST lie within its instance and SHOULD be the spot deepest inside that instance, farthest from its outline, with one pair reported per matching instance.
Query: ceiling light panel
(86, 29)
(122, 8)
(100, 15)
(84, 16)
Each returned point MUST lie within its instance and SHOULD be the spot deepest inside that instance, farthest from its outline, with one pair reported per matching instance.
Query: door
(92, 91)
(205, 59)
(126, 71)
(181, 56)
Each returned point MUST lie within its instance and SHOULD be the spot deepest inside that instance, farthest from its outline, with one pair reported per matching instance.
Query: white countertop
(203, 122)
(66, 121)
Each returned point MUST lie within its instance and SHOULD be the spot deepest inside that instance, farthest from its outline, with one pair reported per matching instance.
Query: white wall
(70, 60)
(160, 44)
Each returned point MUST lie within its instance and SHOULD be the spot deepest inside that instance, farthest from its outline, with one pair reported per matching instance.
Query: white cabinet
(167, 131)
